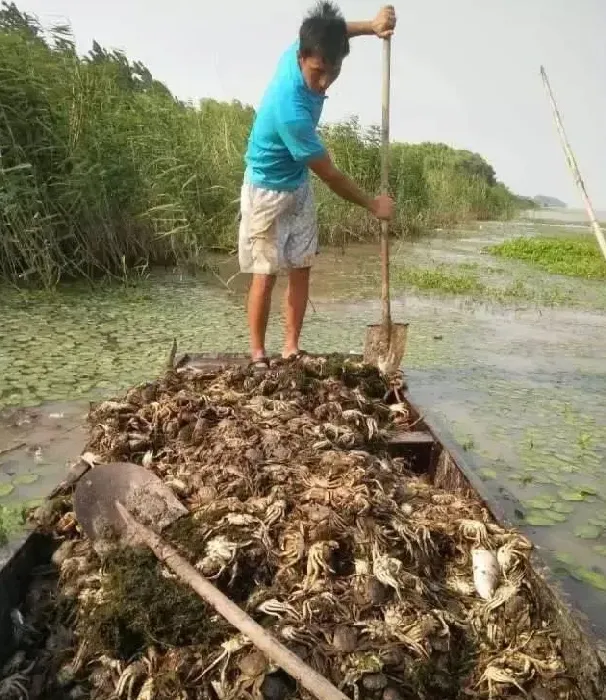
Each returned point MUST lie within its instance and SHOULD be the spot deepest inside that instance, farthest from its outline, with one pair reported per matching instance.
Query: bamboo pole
(574, 168)
(312, 681)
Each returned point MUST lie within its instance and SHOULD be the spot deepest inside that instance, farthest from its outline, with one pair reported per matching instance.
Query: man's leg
(297, 294)
(301, 234)
(258, 256)
(259, 304)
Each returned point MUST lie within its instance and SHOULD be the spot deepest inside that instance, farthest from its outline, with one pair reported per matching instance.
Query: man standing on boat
(278, 226)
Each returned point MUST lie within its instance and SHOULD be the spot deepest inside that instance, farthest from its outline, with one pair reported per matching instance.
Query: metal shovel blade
(142, 493)
(385, 346)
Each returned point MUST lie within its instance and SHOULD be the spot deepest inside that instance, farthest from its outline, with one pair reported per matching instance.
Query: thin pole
(385, 183)
(574, 168)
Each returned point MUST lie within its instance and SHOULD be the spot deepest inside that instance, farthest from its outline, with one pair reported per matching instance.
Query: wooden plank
(411, 437)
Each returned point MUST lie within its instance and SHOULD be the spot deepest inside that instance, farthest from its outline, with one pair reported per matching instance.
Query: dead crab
(143, 668)
(253, 668)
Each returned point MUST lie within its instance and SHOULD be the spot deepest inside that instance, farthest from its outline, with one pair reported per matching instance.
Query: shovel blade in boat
(144, 495)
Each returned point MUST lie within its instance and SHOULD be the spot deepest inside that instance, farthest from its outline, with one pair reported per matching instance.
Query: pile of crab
(386, 585)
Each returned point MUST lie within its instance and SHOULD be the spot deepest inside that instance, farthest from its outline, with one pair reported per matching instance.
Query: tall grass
(102, 170)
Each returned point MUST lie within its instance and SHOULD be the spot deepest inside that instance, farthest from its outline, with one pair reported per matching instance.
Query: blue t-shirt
(283, 137)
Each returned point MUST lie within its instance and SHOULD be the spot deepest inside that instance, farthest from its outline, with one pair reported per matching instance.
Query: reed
(104, 172)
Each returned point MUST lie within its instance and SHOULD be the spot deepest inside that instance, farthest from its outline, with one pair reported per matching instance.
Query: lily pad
(588, 532)
(600, 549)
(564, 508)
(593, 578)
(568, 494)
(25, 479)
(540, 503)
(538, 519)
(564, 558)
(588, 490)
(488, 473)
(6, 489)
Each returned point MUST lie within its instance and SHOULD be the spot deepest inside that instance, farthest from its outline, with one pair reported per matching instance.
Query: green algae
(144, 608)
(11, 522)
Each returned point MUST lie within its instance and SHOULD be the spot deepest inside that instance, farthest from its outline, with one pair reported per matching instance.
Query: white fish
(485, 572)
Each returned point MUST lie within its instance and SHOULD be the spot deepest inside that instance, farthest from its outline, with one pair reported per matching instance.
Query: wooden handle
(385, 181)
(312, 681)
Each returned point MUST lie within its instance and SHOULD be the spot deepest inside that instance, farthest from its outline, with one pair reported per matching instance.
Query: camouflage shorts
(278, 230)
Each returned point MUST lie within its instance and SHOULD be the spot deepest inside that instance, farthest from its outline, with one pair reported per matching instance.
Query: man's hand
(384, 23)
(382, 207)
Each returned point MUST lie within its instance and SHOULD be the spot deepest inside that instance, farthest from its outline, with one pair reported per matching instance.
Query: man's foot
(294, 354)
(259, 364)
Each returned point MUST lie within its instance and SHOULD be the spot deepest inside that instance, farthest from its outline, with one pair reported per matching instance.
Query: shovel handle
(385, 180)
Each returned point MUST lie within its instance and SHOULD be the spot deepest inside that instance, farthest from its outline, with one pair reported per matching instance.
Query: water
(519, 382)
(571, 217)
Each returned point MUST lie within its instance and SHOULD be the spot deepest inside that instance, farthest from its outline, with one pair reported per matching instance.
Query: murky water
(519, 379)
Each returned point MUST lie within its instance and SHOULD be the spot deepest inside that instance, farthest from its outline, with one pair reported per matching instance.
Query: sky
(464, 72)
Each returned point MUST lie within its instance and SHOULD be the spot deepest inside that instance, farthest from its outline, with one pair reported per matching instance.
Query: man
(278, 227)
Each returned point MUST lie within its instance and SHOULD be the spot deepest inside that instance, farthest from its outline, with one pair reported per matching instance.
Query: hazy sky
(465, 72)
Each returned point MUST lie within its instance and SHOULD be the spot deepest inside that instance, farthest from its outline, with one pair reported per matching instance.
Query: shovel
(386, 342)
(123, 499)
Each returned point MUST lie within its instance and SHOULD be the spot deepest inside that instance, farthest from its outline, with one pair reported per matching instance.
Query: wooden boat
(430, 450)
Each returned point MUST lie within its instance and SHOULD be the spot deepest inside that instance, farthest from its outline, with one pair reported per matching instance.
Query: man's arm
(359, 29)
(344, 187)
(382, 25)
(300, 137)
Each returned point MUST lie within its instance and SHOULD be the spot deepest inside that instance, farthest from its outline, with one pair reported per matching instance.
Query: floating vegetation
(11, 521)
(588, 532)
(6, 489)
(540, 503)
(577, 257)
(572, 494)
(298, 513)
(544, 518)
(25, 479)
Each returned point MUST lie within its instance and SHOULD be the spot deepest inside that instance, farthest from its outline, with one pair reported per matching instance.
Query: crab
(356, 666)
(475, 531)
(13, 687)
(220, 553)
(317, 563)
(493, 674)
(253, 667)
(229, 647)
(133, 673)
(278, 609)
(299, 635)
(292, 547)
(512, 556)
(387, 570)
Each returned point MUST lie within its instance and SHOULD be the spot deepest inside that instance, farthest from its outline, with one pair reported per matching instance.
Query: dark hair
(324, 33)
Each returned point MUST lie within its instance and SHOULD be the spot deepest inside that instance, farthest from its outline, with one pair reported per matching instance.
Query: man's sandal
(260, 365)
(299, 355)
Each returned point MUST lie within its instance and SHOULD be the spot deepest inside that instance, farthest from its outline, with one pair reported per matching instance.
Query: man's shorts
(278, 230)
